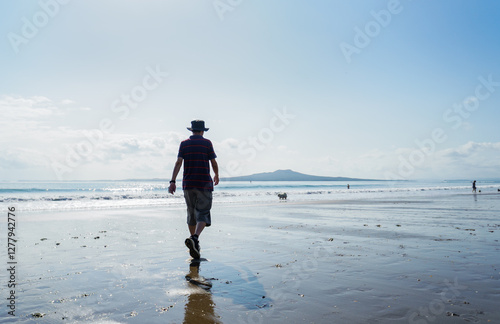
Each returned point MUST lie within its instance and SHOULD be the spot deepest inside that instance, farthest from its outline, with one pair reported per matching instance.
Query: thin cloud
(20, 109)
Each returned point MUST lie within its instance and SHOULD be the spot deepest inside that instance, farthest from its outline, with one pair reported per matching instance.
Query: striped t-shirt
(196, 153)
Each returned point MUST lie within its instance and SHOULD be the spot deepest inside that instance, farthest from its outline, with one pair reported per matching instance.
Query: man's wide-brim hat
(197, 126)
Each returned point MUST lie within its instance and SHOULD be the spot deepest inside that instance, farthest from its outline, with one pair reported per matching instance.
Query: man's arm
(177, 168)
(215, 167)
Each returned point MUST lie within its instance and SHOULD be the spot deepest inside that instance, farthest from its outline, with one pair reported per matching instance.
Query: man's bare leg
(197, 229)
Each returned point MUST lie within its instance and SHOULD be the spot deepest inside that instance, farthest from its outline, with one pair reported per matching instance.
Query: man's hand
(215, 167)
(171, 188)
(177, 168)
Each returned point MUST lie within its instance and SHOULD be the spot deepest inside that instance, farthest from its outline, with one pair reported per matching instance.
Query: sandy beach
(418, 260)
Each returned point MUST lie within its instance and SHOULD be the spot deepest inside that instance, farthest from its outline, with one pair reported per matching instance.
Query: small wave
(27, 190)
(105, 195)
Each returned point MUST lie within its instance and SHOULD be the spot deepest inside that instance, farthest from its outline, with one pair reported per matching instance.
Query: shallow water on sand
(411, 260)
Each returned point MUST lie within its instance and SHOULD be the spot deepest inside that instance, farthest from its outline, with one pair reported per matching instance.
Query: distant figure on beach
(196, 152)
(348, 186)
(474, 186)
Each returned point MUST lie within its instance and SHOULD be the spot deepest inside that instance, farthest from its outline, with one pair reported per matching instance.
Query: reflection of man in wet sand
(200, 306)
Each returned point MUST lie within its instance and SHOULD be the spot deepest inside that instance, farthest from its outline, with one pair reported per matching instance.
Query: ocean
(78, 195)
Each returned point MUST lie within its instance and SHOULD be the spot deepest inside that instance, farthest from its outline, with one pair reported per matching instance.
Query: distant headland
(289, 175)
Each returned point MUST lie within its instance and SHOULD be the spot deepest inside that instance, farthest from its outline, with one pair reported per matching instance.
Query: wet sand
(421, 260)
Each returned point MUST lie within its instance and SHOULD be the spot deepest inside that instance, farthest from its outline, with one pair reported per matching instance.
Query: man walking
(196, 152)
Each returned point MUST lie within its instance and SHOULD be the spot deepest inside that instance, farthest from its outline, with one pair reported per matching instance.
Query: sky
(104, 89)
